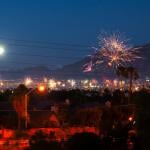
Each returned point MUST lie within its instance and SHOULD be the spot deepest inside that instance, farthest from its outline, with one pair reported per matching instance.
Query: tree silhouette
(132, 74)
(128, 73)
(19, 103)
(40, 141)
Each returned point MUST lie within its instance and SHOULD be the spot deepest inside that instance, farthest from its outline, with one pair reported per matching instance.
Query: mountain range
(75, 70)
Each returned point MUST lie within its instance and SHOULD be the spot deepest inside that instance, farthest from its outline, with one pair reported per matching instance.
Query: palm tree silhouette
(128, 73)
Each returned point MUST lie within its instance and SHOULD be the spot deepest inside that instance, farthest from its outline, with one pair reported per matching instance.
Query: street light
(40, 88)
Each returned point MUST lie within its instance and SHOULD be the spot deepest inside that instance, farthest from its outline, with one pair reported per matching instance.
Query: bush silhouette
(83, 141)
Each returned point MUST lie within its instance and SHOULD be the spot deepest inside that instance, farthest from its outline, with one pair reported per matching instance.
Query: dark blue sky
(71, 24)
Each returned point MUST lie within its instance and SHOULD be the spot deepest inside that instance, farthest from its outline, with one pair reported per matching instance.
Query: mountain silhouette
(75, 70)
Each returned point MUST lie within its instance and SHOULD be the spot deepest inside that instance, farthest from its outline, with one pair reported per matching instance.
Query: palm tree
(129, 73)
(132, 74)
(121, 72)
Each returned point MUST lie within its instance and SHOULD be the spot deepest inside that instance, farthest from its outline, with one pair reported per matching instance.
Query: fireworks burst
(113, 52)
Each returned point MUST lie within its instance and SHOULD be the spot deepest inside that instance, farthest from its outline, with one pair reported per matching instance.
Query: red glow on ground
(8, 136)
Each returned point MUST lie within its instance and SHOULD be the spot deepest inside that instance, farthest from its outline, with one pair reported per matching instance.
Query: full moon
(1, 50)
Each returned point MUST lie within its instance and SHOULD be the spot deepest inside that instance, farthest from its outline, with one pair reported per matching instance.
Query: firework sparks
(88, 67)
(114, 52)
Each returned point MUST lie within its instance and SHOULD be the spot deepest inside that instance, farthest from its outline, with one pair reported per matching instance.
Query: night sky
(58, 32)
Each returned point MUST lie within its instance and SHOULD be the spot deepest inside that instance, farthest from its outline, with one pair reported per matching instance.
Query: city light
(52, 84)
(45, 80)
(72, 83)
(137, 88)
(28, 81)
(58, 83)
(115, 82)
(63, 85)
(1, 83)
(85, 81)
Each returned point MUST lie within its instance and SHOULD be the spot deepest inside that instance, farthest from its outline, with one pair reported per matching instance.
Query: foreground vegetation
(107, 111)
